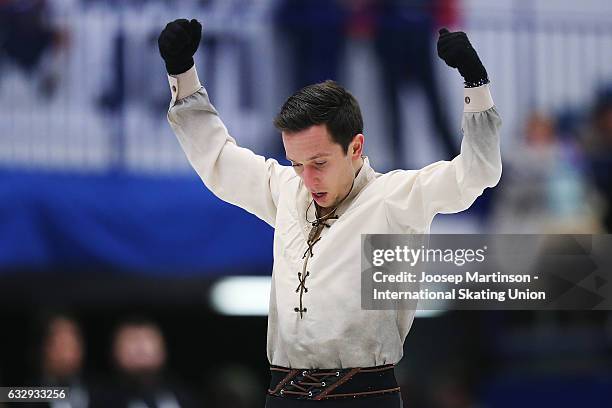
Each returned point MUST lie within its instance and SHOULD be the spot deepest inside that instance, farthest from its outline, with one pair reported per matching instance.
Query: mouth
(319, 196)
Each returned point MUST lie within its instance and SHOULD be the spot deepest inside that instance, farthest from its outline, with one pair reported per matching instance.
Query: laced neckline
(330, 215)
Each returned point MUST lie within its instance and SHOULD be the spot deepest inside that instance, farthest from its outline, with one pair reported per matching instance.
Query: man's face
(139, 349)
(63, 348)
(326, 170)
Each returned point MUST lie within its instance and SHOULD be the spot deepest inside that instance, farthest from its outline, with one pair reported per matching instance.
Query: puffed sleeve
(452, 186)
(234, 174)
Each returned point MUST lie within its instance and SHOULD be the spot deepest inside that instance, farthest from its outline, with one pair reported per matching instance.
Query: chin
(329, 204)
(324, 203)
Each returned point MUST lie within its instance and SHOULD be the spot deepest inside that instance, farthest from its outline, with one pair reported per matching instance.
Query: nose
(311, 178)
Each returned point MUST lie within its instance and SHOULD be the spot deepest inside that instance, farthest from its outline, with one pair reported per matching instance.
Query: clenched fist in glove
(455, 49)
(177, 44)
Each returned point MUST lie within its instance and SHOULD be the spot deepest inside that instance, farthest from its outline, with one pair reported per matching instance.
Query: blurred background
(123, 277)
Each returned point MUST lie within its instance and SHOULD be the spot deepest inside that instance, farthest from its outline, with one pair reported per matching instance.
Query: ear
(356, 146)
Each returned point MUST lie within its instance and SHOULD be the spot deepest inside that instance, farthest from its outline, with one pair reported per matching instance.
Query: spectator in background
(402, 33)
(404, 44)
(543, 190)
(27, 36)
(315, 32)
(62, 353)
(597, 145)
(139, 354)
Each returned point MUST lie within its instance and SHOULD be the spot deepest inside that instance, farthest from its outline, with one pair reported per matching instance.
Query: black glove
(455, 49)
(177, 44)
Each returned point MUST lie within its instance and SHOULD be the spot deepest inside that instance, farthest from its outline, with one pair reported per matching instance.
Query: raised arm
(452, 186)
(232, 173)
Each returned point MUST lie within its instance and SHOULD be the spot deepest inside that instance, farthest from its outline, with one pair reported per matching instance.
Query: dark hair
(324, 103)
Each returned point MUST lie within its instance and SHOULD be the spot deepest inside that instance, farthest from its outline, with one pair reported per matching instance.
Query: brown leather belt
(323, 384)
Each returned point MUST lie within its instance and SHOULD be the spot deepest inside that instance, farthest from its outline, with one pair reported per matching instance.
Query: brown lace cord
(315, 233)
(313, 237)
(317, 380)
(322, 385)
(344, 379)
(290, 374)
(357, 394)
(302, 285)
(302, 289)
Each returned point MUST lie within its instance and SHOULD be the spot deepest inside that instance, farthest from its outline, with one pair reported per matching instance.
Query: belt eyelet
(310, 393)
(337, 373)
(291, 382)
(304, 372)
(322, 383)
(281, 392)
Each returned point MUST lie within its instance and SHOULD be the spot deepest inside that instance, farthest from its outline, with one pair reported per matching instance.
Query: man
(62, 355)
(321, 345)
(139, 355)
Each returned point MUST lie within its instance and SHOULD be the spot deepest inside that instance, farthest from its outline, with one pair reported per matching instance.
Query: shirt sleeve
(234, 174)
(452, 186)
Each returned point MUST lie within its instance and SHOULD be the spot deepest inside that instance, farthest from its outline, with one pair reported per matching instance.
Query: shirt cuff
(477, 99)
(185, 84)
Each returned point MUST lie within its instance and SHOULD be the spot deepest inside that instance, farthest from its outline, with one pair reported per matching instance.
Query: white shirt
(334, 332)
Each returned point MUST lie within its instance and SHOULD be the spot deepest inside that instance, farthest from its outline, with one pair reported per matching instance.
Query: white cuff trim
(184, 84)
(477, 99)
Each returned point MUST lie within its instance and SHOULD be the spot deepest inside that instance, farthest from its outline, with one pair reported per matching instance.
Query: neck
(359, 166)
(323, 211)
